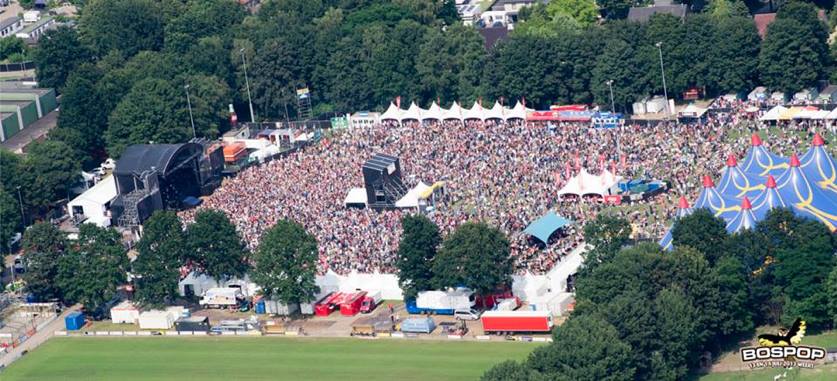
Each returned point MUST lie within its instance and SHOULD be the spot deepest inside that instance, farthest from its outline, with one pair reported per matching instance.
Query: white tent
(94, 203)
(476, 112)
(434, 112)
(392, 113)
(454, 112)
(495, 112)
(355, 196)
(414, 113)
(518, 112)
(410, 200)
(774, 113)
(585, 183)
(692, 111)
(832, 114)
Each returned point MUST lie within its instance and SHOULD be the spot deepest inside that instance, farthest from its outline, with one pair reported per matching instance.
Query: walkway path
(37, 339)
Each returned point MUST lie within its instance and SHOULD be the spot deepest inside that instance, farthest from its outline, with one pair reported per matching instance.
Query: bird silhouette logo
(792, 336)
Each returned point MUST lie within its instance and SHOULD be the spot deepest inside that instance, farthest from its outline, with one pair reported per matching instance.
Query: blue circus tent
(768, 199)
(683, 210)
(744, 219)
(819, 166)
(736, 183)
(720, 205)
(761, 162)
(807, 200)
(543, 227)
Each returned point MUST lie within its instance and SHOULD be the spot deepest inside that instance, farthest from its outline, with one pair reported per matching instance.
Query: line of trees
(646, 314)
(475, 255)
(123, 70)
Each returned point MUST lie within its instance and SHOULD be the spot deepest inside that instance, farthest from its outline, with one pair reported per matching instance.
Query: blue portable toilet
(260, 307)
(74, 321)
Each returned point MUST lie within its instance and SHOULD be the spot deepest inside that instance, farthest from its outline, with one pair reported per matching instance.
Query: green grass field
(208, 359)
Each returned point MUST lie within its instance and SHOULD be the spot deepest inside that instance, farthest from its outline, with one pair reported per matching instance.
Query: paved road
(37, 339)
(35, 131)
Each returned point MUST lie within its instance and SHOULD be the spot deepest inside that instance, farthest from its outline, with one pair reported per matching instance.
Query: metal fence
(17, 66)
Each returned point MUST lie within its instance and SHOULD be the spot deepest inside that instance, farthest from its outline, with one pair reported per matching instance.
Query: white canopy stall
(476, 112)
(518, 112)
(411, 198)
(495, 112)
(585, 183)
(392, 113)
(454, 112)
(432, 113)
(412, 113)
(773, 114)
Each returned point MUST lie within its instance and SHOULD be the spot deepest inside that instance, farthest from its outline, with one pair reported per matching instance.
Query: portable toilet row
(74, 321)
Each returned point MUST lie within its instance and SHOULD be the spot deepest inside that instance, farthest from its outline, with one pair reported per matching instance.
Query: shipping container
(351, 303)
(74, 321)
(194, 324)
(516, 321)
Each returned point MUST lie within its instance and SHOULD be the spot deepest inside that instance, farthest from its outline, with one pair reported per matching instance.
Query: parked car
(466, 314)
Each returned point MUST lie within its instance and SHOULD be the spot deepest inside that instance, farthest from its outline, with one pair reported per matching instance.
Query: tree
(584, 348)
(209, 96)
(449, 64)
(616, 9)
(584, 12)
(152, 111)
(831, 294)
(12, 45)
(416, 253)
(796, 39)
(93, 268)
(511, 371)
(11, 175)
(10, 221)
(80, 111)
(51, 169)
(58, 53)
(676, 326)
(126, 25)
(732, 280)
(701, 231)
(43, 247)
(607, 235)
(286, 264)
(160, 251)
(215, 246)
(475, 256)
(273, 77)
(628, 67)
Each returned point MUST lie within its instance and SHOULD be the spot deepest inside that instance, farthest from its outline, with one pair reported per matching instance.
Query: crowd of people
(503, 173)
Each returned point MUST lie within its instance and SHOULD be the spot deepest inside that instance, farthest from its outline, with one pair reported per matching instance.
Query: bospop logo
(782, 350)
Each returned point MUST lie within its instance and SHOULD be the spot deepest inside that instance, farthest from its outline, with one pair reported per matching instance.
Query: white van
(466, 314)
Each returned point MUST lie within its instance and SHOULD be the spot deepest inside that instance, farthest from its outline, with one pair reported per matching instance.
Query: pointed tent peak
(771, 182)
(731, 161)
(707, 182)
(818, 141)
(794, 161)
(745, 204)
(755, 140)
(683, 203)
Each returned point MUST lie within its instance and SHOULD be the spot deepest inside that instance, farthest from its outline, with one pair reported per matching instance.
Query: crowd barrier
(394, 335)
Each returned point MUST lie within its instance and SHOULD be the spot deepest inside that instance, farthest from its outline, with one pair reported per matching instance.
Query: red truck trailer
(350, 303)
(327, 304)
(516, 321)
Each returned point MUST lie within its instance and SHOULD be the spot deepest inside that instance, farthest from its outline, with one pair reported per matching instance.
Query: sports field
(208, 359)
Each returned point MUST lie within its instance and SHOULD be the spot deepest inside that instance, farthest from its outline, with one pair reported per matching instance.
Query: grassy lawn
(208, 359)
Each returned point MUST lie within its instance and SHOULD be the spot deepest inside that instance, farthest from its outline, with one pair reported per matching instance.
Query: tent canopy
(355, 196)
(454, 112)
(774, 113)
(411, 198)
(543, 227)
(392, 113)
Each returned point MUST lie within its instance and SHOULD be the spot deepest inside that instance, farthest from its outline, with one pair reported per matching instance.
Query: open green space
(208, 359)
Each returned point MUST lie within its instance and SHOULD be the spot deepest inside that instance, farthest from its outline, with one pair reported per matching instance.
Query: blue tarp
(543, 227)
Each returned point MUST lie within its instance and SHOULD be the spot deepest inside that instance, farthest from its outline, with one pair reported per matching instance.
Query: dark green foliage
(701, 231)
(286, 264)
(43, 247)
(416, 253)
(160, 253)
(12, 46)
(511, 371)
(59, 52)
(215, 246)
(94, 266)
(607, 235)
(10, 222)
(81, 112)
(51, 170)
(796, 39)
(129, 26)
(585, 348)
(476, 256)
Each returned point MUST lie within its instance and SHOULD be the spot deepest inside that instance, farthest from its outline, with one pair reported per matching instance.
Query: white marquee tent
(774, 113)
(414, 113)
(434, 112)
(411, 198)
(495, 112)
(476, 112)
(392, 113)
(585, 183)
(454, 112)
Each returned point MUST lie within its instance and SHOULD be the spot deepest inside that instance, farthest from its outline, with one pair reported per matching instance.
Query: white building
(364, 119)
(33, 32)
(93, 206)
(10, 26)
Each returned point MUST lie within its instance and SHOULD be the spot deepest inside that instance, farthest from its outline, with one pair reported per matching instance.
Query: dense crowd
(504, 173)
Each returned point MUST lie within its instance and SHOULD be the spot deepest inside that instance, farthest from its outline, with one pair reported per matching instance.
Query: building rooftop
(9, 21)
(493, 35)
(643, 14)
(35, 25)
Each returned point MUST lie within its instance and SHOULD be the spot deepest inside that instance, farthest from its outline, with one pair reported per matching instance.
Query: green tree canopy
(10, 221)
(416, 253)
(160, 252)
(215, 246)
(93, 268)
(701, 231)
(476, 256)
(126, 25)
(607, 235)
(58, 53)
(80, 110)
(286, 263)
(43, 247)
(152, 111)
(51, 169)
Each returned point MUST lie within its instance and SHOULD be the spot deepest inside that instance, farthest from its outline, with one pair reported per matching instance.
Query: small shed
(758, 94)
(806, 95)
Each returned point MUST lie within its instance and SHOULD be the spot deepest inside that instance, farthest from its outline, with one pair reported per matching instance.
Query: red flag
(523, 99)
(398, 101)
(233, 119)
(567, 173)
(577, 162)
(622, 162)
(601, 162)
